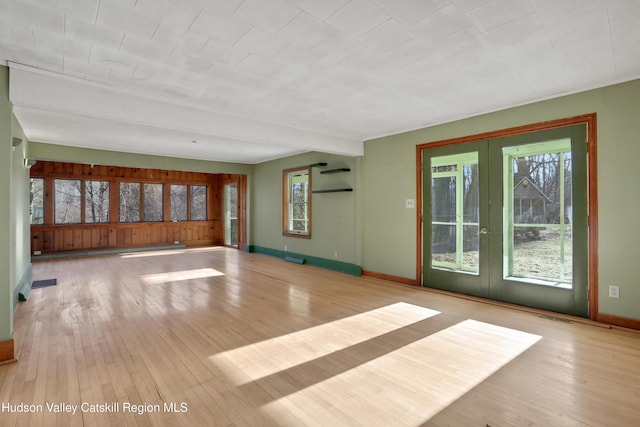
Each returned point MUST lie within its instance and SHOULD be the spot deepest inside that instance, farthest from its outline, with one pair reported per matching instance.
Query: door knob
(484, 230)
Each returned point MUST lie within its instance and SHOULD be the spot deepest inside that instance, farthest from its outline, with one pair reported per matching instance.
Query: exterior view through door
(231, 214)
(505, 218)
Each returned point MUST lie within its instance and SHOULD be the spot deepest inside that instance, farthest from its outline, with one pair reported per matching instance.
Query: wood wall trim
(419, 215)
(592, 184)
(592, 206)
(64, 238)
(623, 322)
(242, 211)
(7, 351)
(517, 130)
(98, 172)
(391, 278)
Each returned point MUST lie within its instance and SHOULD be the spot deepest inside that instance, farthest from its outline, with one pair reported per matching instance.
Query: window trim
(286, 193)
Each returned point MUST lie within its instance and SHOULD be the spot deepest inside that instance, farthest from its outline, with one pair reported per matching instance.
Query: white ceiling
(254, 80)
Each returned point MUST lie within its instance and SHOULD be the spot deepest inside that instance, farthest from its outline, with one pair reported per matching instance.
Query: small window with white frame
(297, 202)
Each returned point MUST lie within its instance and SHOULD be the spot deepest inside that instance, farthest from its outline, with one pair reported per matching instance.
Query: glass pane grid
(455, 213)
(298, 203)
(538, 242)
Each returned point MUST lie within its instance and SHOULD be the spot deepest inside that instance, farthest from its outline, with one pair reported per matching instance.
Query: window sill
(298, 235)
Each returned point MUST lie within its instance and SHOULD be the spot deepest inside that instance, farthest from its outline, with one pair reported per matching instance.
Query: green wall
(63, 153)
(6, 160)
(15, 264)
(20, 208)
(335, 216)
(389, 171)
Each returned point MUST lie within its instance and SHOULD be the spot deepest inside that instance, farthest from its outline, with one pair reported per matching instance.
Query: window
(91, 201)
(538, 243)
(297, 202)
(179, 202)
(96, 198)
(36, 192)
(455, 212)
(67, 201)
(153, 202)
(129, 202)
(198, 203)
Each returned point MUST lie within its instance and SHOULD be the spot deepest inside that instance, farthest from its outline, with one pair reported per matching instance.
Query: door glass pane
(455, 212)
(471, 212)
(231, 214)
(538, 213)
(443, 245)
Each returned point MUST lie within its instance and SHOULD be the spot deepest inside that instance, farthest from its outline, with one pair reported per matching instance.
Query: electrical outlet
(176, 242)
(37, 252)
(614, 292)
(409, 203)
(285, 248)
(335, 254)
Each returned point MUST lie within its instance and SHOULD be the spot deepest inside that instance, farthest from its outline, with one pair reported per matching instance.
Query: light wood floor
(241, 339)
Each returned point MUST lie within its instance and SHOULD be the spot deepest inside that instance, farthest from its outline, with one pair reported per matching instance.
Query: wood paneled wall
(50, 237)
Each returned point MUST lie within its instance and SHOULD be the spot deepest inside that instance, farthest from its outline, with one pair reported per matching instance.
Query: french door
(506, 219)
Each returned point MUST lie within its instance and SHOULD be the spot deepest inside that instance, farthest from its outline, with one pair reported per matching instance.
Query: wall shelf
(339, 170)
(318, 164)
(333, 190)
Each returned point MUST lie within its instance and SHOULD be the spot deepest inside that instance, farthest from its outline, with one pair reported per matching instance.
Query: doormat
(44, 283)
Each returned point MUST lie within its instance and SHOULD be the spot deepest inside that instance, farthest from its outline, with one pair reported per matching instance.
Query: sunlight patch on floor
(154, 253)
(174, 276)
(410, 385)
(261, 359)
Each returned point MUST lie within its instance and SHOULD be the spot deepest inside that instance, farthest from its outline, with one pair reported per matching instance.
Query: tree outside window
(198, 203)
(179, 202)
(129, 202)
(96, 196)
(36, 193)
(153, 202)
(67, 196)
